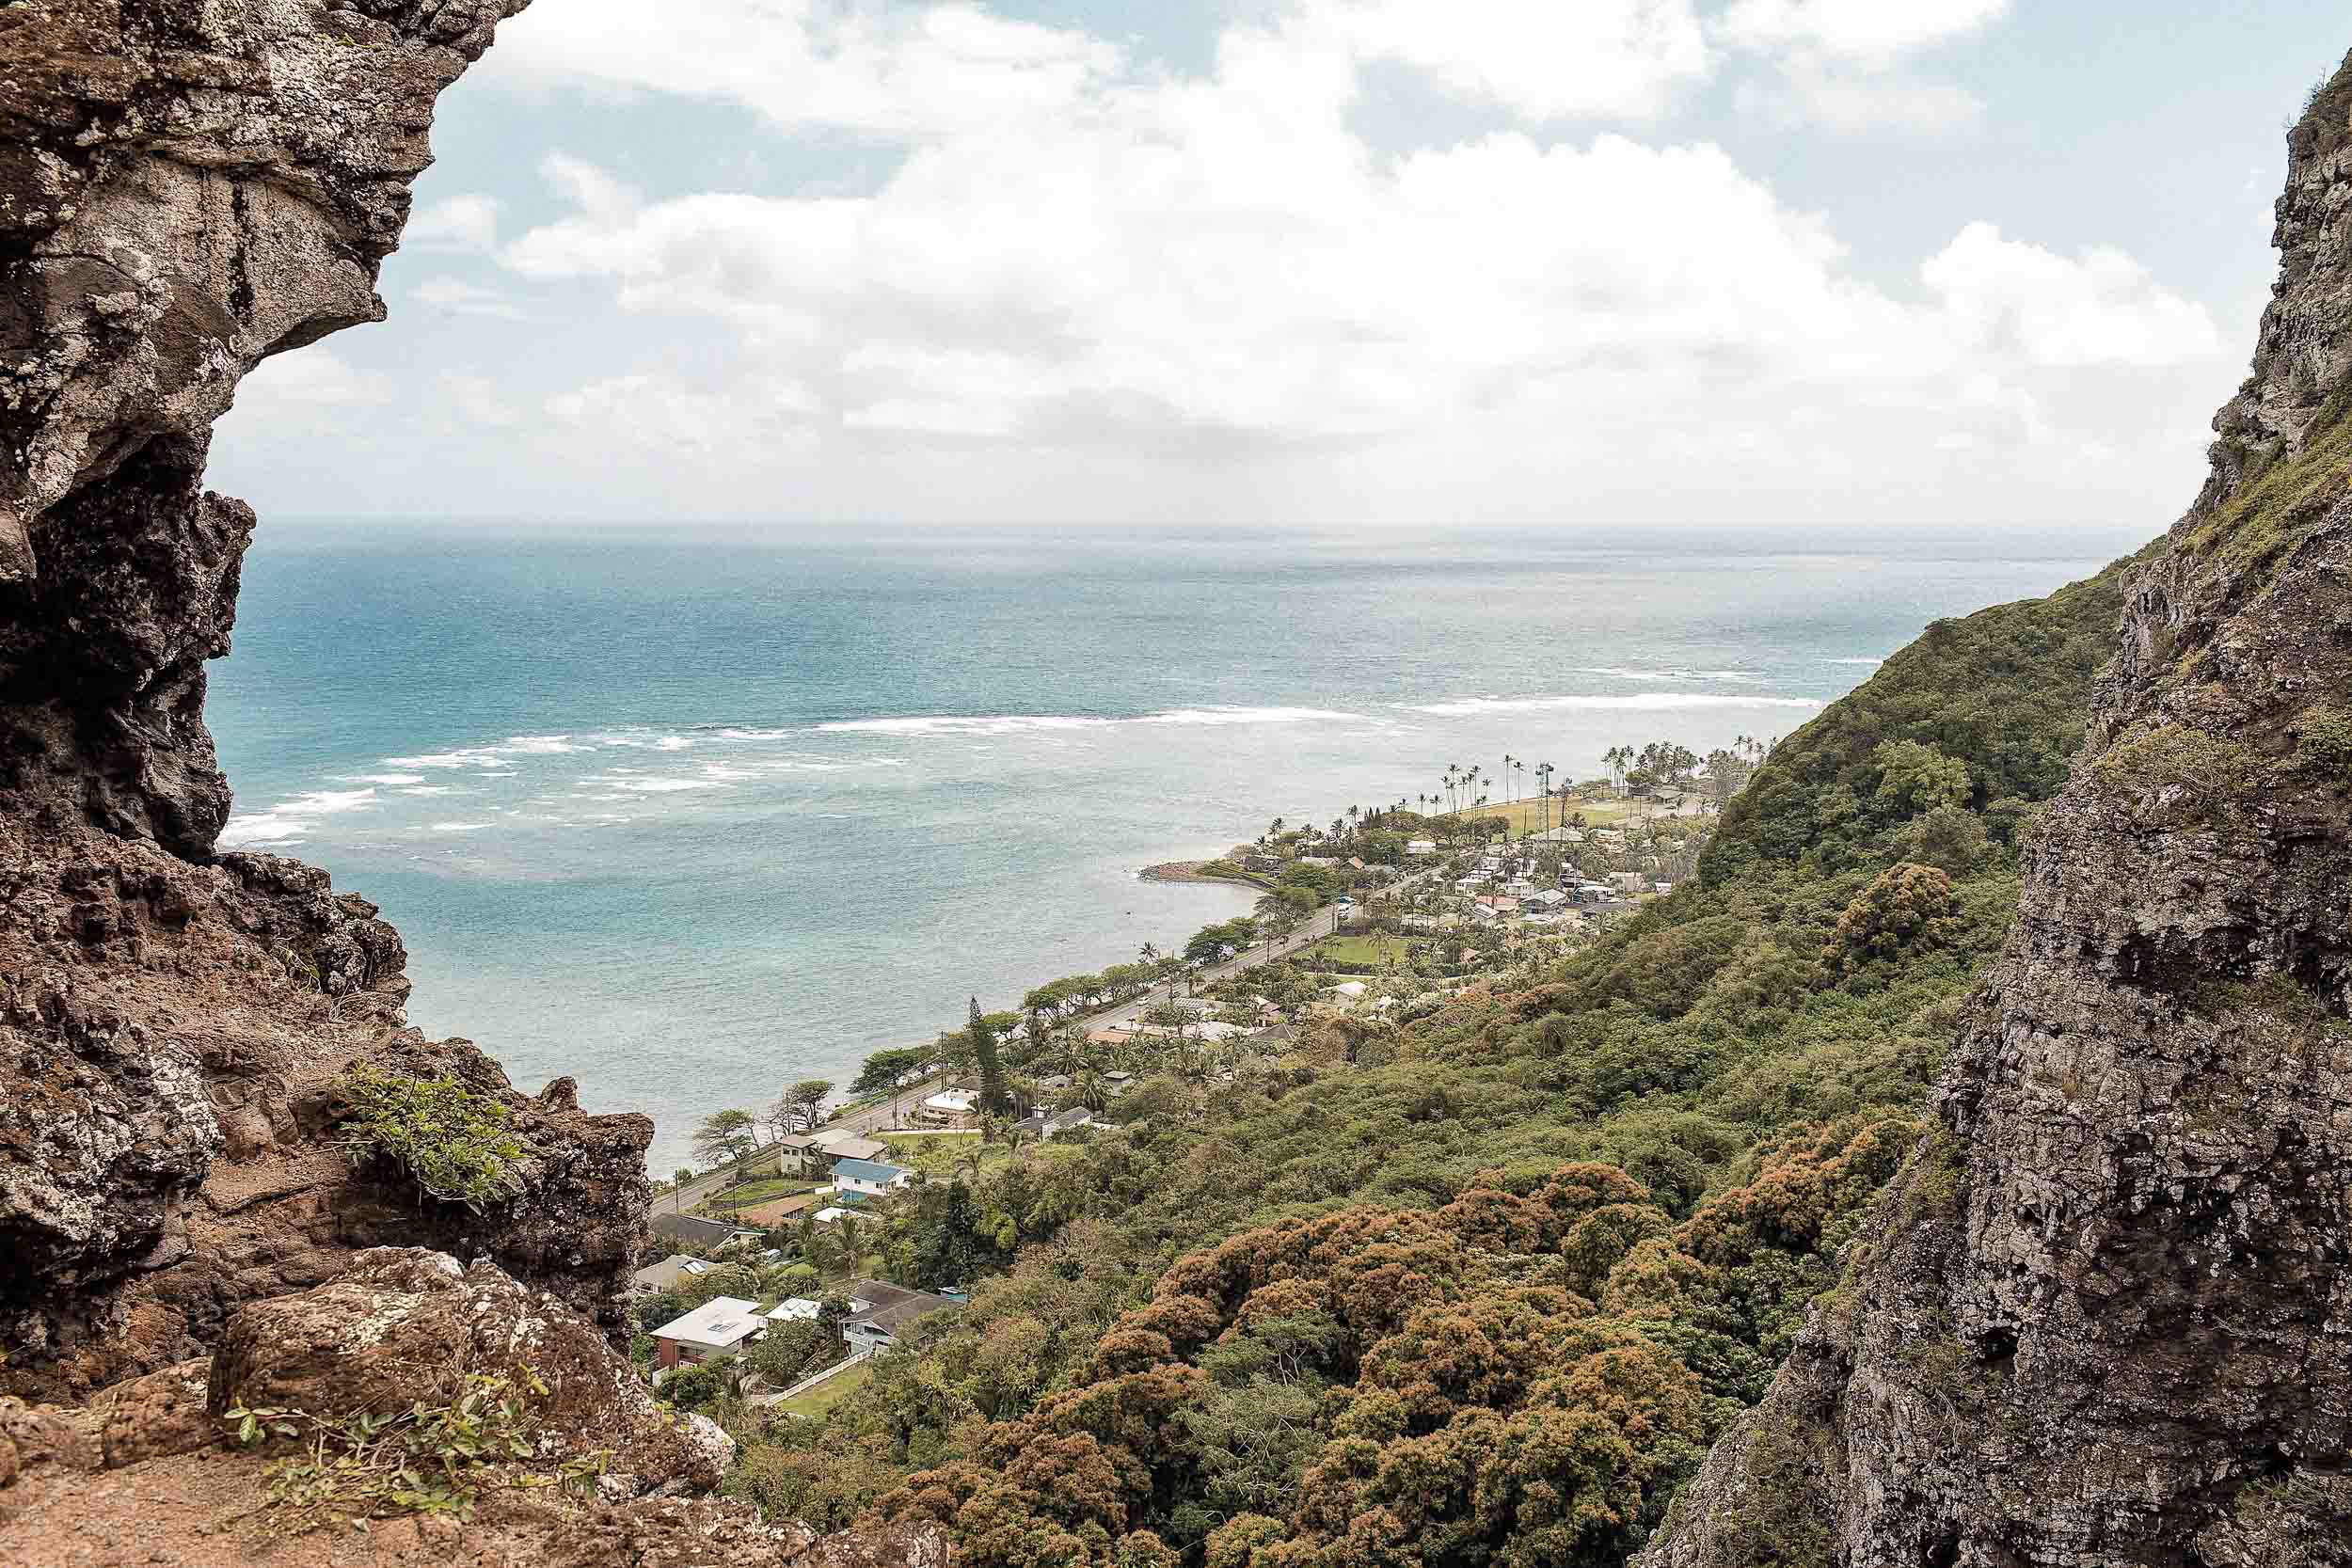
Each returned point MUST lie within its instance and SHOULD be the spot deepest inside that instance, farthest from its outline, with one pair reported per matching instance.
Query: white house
(720, 1326)
(1350, 991)
(869, 1178)
(799, 1309)
(1421, 846)
(953, 1103)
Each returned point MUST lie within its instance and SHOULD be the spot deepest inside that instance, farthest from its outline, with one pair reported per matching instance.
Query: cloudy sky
(1420, 264)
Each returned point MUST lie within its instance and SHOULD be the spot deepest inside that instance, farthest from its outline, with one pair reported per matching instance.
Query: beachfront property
(864, 1178)
(720, 1326)
(952, 1103)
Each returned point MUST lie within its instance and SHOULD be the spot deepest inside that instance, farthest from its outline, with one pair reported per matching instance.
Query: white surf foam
(1018, 723)
(1642, 701)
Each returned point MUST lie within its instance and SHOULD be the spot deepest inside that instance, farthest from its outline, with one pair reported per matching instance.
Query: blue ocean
(691, 819)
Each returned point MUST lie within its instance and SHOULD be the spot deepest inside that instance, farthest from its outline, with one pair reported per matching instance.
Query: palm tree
(1093, 1091)
(850, 1254)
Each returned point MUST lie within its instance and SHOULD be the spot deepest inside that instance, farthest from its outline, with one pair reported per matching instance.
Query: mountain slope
(2105, 1317)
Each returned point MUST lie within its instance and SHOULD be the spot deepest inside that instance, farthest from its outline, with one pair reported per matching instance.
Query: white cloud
(458, 297)
(313, 390)
(474, 400)
(1840, 98)
(872, 67)
(2101, 308)
(1856, 29)
(1540, 57)
(460, 223)
(1079, 284)
(670, 418)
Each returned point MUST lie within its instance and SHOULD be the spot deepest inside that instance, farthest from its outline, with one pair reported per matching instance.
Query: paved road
(1310, 931)
(874, 1118)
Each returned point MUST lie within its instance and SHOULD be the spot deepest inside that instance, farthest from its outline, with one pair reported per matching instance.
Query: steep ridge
(185, 190)
(2105, 1315)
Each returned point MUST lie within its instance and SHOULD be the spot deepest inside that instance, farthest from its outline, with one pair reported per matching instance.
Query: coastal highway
(1310, 931)
(869, 1119)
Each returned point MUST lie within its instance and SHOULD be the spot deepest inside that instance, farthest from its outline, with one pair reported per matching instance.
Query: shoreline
(1189, 871)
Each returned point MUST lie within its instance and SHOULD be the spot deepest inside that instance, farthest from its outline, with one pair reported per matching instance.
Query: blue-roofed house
(869, 1178)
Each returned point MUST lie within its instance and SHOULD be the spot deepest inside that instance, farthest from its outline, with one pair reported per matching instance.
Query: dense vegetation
(1490, 1299)
(2015, 720)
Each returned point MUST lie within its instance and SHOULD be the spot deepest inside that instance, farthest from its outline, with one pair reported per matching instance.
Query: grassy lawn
(1364, 952)
(828, 1393)
(759, 1190)
(937, 1154)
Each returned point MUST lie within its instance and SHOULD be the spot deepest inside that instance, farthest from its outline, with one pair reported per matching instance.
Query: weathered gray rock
(2104, 1318)
(184, 190)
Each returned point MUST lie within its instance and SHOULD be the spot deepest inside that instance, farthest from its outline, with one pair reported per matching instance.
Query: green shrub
(452, 1142)
(426, 1460)
(2323, 742)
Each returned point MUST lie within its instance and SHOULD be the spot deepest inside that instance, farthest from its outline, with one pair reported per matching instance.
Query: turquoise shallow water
(690, 820)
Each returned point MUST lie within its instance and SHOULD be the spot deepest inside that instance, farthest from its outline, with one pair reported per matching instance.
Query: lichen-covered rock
(405, 1326)
(2105, 1317)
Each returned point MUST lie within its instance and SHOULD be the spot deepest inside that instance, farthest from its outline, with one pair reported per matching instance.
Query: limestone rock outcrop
(185, 190)
(2105, 1317)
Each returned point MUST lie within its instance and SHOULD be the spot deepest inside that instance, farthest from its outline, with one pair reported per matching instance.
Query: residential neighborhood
(828, 1228)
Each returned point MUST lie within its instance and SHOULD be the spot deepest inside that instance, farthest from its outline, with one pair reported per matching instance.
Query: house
(1350, 991)
(954, 1102)
(720, 1326)
(1519, 887)
(1318, 860)
(668, 1275)
(1419, 922)
(1421, 846)
(830, 1215)
(1044, 1125)
(1119, 1081)
(1216, 1031)
(1549, 900)
(881, 1311)
(799, 1309)
(795, 1154)
(869, 1178)
(1279, 1033)
(782, 1210)
(697, 1231)
(1630, 881)
(841, 1144)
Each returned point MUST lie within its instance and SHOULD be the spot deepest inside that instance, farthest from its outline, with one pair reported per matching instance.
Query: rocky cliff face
(2105, 1317)
(187, 187)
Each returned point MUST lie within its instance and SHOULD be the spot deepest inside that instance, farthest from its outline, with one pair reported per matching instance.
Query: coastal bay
(787, 832)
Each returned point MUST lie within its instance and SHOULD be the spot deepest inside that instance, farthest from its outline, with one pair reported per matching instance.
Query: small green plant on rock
(454, 1142)
(426, 1460)
(2323, 744)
